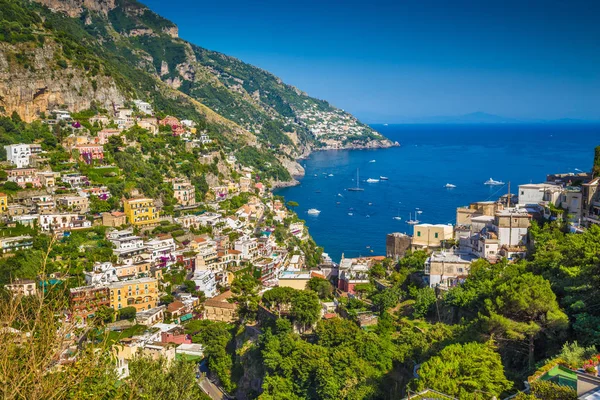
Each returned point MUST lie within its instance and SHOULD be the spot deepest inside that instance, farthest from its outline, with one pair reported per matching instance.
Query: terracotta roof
(329, 315)
(220, 301)
(117, 214)
(174, 306)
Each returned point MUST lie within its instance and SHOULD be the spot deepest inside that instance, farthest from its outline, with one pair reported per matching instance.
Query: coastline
(371, 145)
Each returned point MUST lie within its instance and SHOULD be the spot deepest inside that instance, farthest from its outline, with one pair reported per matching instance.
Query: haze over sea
(429, 157)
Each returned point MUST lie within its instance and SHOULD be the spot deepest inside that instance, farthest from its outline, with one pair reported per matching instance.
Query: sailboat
(412, 221)
(398, 217)
(357, 188)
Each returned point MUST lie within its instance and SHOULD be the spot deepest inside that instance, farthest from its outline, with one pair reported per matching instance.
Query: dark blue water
(429, 157)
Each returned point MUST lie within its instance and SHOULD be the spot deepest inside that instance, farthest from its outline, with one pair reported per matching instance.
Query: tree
(189, 286)
(292, 204)
(387, 298)
(278, 297)
(523, 307)
(104, 315)
(127, 313)
(424, 300)
(377, 271)
(156, 379)
(306, 308)
(322, 287)
(245, 293)
(466, 371)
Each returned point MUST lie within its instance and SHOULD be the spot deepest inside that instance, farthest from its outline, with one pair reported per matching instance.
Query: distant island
(485, 118)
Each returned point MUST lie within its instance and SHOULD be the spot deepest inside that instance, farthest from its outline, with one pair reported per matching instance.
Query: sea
(355, 223)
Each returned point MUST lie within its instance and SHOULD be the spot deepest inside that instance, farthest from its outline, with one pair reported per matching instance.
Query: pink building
(23, 176)
(104, 134)
(175, 335)
(90, 152)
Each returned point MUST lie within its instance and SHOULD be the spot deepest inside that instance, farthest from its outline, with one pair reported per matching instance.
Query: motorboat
(449, 186)
(492, 182)
(372, 161)
(314, 211)
(330, 175)
(383, 178)
(372, 180)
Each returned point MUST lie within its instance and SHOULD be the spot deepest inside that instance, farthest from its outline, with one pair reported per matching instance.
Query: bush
(127, 313)
(551, 391)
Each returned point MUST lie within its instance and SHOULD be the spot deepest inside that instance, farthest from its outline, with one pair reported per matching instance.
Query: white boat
(449, 186)
(350, 214)
(383, 178)
(397, 218)
(371, 180)
(372, 161)
(330, 175)
(357, 188)
(314, 211)
(492, 182)
(412, 221)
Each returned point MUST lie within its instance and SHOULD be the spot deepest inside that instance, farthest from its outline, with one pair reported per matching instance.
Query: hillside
(76, 54)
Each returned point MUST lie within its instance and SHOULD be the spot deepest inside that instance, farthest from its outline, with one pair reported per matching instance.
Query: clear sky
(389, 60)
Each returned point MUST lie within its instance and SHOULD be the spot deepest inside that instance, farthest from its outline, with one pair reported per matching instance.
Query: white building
(62, 221)
(445, 268)
(18, 154)
(533, 194)
(144, 107)
(162, 249)
(247, 246)
(102, 274)
(206, 282)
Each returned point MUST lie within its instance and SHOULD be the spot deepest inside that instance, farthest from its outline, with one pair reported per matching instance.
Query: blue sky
(386, 61)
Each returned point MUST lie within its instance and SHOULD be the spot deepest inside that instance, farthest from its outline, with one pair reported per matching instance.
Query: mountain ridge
(76, 53)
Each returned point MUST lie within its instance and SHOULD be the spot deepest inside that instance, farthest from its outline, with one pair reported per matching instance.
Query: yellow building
(141, 211)
(139, 293)
(430, 236)
(3, 203)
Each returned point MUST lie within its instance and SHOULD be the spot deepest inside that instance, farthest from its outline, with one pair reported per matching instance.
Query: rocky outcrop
(172, 31)
(46, 86)
(74, 8)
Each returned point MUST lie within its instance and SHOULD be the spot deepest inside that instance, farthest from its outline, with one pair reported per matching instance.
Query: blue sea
(430, 156)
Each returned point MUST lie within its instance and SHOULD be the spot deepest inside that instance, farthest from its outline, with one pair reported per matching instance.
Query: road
(211, 389)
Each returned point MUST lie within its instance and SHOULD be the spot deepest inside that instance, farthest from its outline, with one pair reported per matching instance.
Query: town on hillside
(161, 244)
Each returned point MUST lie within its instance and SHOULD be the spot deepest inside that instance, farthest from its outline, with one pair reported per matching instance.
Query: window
(436, 235)
(418, 233)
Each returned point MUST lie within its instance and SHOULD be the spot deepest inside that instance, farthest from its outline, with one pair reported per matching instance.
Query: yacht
(314, 211)
(492, 182)
(357, 188)
(383, 178)
(371, 180)
(372, 161)
(412, 221)
(350, 214)
(330, 175)
(449, 186)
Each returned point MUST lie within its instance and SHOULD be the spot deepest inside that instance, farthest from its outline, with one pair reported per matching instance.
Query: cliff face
(41, 85)
(74, 8)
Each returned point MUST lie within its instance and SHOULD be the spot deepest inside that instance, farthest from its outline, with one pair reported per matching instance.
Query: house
(184, 192)
(22, 287)
(396, 245)
(18, 154)
(101, 192)
(47, 178)
(352, 271)
(141, 211)
(125, 243)
(205, 282)
(3, 203)
(430, 236)
(512, 226)
(139, 293)
(446, 268)
(151, 316)
(62, 115)
(24, 176)
(247, 246)
(161, 249)
(75, 180)
(143, 107)
(12, 244)
(85, 300)
(532, 194)
(150, 124)
(90, 152)
(175, 335)
(62, 222)
(294, 279)
(105, 134)
(464, 214)
(219, 308)
(102, 274)
(74, 203)
(114, 219)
